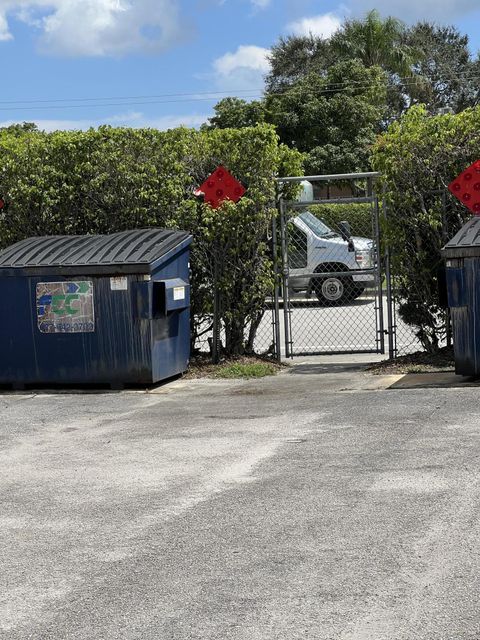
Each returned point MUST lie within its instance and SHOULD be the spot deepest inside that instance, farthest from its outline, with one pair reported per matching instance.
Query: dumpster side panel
(123, 349)
(464, 298)
(465, 361)
(171, 329)
(457, 295)
(18, 359)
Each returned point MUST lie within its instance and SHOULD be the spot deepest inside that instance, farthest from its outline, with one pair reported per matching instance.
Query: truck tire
(333, 291)
(357, 291)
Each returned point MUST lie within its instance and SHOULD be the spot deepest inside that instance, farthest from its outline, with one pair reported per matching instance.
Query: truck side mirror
(345, 231)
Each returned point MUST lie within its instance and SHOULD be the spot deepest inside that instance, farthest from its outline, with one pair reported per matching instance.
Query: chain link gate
(335, 291)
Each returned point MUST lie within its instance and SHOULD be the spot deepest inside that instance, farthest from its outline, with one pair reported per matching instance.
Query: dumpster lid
(138, 251)
(466, 244)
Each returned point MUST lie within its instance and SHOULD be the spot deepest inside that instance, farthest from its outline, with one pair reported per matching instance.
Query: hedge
(419, 156)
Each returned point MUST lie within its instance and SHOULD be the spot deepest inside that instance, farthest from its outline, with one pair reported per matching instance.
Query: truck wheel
(333, 290)
(356, 291)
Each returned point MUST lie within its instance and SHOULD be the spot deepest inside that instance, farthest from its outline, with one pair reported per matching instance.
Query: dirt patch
(418, 362)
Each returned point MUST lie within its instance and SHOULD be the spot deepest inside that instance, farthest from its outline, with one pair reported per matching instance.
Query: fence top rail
(334, 176)
(293, 204)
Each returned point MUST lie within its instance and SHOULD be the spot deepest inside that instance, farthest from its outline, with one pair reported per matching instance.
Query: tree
(377, 42)
(449, 78)
(330, 98)
(332, 119)
(295, 57)
(235, 113)
(383, 43)
(327, 97)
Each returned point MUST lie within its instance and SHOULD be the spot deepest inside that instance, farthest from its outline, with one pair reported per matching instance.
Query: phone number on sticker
(67, 327)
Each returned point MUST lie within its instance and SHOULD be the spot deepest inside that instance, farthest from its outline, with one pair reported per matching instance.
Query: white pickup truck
(316, 248)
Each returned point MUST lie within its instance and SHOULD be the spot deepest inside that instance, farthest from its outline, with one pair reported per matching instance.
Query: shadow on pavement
(319, 368)
(75, 389)
(437, 380)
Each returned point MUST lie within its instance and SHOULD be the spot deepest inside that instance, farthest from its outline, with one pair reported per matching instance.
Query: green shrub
(418, 157)
(358, 215)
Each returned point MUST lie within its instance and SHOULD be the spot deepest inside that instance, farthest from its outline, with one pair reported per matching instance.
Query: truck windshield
(318, 227)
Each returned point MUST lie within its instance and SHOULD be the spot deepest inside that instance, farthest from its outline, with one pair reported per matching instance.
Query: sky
(72, 64)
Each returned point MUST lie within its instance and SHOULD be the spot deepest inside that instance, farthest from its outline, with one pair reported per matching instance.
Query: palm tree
(377, 42)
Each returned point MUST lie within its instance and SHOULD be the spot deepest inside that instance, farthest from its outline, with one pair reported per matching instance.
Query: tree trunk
(234, 338)
(253, 332)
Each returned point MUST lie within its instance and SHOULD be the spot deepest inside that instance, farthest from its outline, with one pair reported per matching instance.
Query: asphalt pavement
(312, 505)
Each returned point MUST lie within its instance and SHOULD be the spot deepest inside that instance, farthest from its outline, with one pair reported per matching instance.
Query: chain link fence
(256, 318)
(419, 303)
(336, 287)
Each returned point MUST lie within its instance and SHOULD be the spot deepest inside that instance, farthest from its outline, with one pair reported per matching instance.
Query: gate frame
(382, 267)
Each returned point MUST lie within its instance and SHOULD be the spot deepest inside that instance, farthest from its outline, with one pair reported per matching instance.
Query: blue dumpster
(462, 255)
(112, 309)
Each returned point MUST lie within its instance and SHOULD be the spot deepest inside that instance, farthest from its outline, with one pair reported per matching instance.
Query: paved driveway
(295, 507)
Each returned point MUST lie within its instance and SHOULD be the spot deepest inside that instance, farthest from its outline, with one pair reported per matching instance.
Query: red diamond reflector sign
(220, 186)
(467, 188)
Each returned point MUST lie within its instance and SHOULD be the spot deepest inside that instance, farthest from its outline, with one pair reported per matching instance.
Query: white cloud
(97, 27)
(412, 10)
(241, 70)
(322, 25)
(131, 119)
(245, 57)
(4, 32)
(260, 4)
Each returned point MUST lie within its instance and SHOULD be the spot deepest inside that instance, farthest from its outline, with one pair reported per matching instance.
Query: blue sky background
(76, 50)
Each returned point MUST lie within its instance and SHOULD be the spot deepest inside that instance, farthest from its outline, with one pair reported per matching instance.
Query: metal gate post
(379, 275)
(445, 238)
(216, 315)
(286, 305)
(390, 297)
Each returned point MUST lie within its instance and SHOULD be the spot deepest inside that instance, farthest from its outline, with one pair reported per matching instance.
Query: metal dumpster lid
(125, 252)
(466, 243)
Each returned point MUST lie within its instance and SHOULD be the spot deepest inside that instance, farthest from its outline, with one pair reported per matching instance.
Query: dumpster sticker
(179, 293)
(65, 307)
(119, 283)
